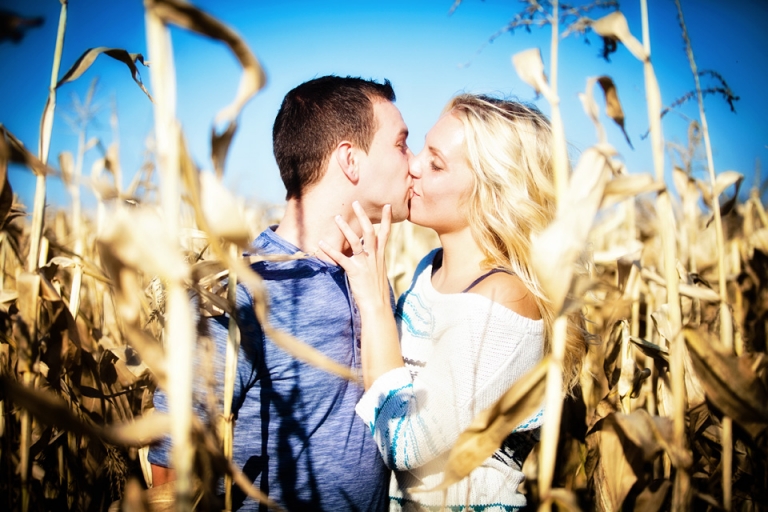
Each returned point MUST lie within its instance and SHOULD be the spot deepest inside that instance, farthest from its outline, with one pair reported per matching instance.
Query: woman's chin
(417, 219)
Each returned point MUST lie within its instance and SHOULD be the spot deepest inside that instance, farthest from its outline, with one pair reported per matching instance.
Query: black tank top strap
(489, 273)
(437, 262)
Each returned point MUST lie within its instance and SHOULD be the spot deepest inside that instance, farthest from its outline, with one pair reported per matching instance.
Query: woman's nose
(414, 166)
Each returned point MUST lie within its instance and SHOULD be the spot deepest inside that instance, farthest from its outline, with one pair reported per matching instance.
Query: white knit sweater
(462, 353)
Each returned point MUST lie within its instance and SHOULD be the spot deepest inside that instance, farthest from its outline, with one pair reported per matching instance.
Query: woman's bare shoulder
(509, 291)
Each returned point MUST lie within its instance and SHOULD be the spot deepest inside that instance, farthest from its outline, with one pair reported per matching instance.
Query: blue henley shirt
(297, 436)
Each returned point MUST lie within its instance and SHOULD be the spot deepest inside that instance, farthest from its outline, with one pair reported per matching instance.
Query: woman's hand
(367, 274)
(365, 268)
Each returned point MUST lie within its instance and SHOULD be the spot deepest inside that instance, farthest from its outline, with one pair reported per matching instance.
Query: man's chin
(402, 213)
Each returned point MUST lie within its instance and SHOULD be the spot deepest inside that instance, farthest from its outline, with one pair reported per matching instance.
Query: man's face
(384, 176)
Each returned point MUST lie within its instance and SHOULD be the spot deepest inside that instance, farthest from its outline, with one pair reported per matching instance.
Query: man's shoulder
(268, 242)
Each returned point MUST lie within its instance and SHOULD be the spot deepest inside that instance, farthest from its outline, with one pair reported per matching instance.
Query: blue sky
(422, 50)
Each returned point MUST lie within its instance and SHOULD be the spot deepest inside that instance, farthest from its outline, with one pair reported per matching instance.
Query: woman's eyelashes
(434, 166)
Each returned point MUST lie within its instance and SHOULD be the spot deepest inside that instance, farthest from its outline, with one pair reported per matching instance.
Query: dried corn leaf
(63, 262)
(628, 365)
(6, 192)
(613, 105)
(67, 166)
(726, 179)
(28, 286)
(723, 181)
(609, 466)
(137, 238)
(489, 428)
(625, 186)
(652, 434)
(530, 69)
(658, 353)
(85, 61)
(47, 407)
(18, 154)
(557, 247)
(612, 352)
(693, 386)
(220, 143)
(688, 290)
(730, 381)
(619, 446)
(192, 18)
(627, 266)
(615, 26)
(759, 240)
(653, 496)
(681, 179)
(145, 430)
(224, 212)
(590, 108)
(698, 292)
(7, 296)
(565, 500)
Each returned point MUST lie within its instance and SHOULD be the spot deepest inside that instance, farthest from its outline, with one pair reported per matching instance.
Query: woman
(474, 319)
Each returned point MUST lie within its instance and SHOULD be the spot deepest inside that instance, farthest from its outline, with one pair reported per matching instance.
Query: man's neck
(308, 220)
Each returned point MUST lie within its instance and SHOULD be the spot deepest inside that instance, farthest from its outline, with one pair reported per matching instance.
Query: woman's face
(442, 178)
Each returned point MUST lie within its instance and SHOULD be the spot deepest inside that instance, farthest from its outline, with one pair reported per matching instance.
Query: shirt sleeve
(417, 418)
(250, 353)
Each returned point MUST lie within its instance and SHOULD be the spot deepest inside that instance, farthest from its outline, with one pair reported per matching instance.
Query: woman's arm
(367, 274)
(476, 360)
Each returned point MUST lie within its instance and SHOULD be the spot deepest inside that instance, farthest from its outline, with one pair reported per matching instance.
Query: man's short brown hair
(314, 117)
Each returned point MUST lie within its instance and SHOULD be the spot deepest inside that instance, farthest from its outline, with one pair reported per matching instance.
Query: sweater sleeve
(477, 357)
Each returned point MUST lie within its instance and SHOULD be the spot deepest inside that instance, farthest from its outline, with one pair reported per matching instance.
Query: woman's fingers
(335, 255)
(350, 235)
(384, 229)
(369, 235)
(386, 225)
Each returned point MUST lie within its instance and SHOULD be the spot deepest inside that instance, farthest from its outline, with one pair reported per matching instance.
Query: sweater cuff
(384, 388)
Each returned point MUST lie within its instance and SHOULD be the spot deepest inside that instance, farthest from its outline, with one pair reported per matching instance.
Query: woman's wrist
(375, 307)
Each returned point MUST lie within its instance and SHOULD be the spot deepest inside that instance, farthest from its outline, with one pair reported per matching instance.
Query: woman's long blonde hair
(508, 147)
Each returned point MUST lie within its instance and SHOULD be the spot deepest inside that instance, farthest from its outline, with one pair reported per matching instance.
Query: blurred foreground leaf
(556, 249)
(13, 26)
(489, 428)
(185, 15)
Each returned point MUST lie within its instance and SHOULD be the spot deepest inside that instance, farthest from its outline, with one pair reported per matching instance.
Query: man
(336, 140)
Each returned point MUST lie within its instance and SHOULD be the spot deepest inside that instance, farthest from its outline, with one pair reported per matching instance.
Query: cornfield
(672, 409)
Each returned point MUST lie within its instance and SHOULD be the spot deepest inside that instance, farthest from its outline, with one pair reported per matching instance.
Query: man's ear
(346, 156)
